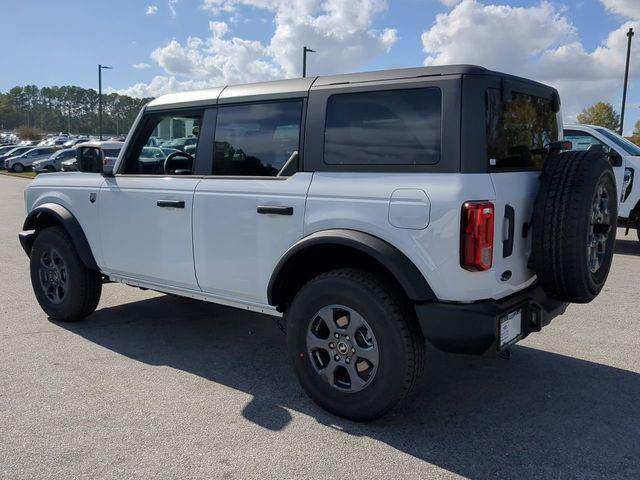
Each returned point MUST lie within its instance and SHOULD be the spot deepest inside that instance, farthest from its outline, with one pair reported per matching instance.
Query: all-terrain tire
(562, 230)
(397, 336)
(64, 287)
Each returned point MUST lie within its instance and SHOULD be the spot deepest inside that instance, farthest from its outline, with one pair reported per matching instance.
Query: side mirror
(615, 159)
(89, 160)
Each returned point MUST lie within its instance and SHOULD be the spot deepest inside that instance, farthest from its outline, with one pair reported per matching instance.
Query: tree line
(604, 115)
(67, 109)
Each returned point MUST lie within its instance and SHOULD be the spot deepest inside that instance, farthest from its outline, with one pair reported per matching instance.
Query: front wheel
(18, 168)
(355, 345)
(65, 289)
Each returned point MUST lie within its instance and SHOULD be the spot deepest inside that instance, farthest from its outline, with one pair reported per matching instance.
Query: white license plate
(510, 327)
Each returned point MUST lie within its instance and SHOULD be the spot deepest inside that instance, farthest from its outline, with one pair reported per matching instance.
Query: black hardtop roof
(300, 86)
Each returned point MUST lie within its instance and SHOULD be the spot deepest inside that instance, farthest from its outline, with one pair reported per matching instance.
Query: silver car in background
(21, 162)
(110, 152)
(54, 162)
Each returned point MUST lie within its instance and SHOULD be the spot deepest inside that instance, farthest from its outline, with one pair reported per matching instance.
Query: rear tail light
(477, 236)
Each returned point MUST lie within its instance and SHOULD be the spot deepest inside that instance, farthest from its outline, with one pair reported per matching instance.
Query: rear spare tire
(574, 225)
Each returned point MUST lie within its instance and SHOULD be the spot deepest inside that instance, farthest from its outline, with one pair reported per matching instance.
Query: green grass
(23, 174)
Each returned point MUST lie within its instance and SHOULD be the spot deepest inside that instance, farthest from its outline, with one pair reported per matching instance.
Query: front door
(251, 209)
(146, 208)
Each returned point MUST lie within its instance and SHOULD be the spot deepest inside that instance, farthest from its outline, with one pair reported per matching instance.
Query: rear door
(250, 210)
(519, 125)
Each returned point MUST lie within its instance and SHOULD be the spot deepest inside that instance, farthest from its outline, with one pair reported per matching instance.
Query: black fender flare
(396, 262)
(65, 218)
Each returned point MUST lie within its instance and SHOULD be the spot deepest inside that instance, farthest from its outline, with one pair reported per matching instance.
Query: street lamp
(100, 68)
(626, 78)
(305, 50)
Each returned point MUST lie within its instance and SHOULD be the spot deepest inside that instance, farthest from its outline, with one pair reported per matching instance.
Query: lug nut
(337, 335)
(331, 346)
(347, 360)
(337, 358)
(353, 350)
(347, 337)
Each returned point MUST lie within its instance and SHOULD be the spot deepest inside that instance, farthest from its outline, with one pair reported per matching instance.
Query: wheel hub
(599, 228)
(342, 348)
(52, 273)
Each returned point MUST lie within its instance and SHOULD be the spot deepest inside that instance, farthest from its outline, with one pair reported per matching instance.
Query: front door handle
(170, 203)
(275, 210)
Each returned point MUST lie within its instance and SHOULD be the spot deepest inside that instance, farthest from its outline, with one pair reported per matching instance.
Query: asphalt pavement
(153, 386)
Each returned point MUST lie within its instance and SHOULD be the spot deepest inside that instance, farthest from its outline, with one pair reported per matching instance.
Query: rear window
(111, 152)
(388, 127)
(519, 131)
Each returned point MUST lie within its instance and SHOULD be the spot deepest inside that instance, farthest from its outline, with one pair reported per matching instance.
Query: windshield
(623, 143)
(519, 131)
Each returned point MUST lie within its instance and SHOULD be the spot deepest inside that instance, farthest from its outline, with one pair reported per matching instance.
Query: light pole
(100, 68)
(626, 79)
(305, 50)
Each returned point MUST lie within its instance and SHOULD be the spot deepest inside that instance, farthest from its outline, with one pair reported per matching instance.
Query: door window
(260, 140)
(167, 146)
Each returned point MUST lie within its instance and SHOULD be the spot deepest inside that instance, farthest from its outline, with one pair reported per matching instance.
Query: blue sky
(576, 45)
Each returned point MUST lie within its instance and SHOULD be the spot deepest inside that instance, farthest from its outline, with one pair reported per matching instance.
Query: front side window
(387, 127)
(582, 140)
(260, 140)
(519, 131)
(149, 156)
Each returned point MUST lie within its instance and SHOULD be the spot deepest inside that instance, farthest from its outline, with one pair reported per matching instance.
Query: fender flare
(396, 262)
(68, 222)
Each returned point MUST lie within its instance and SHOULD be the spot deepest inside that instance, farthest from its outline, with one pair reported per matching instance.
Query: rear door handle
(170, 203)
(510, 217)
(275, 210)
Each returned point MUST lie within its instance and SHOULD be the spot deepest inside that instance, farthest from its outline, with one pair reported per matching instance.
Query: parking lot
(154, 386)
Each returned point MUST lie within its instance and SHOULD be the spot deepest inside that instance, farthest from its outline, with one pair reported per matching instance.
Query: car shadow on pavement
(627, 247)
(538, 415)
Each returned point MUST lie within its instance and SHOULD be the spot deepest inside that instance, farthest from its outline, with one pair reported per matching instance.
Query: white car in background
(110, 151)
(625, 160)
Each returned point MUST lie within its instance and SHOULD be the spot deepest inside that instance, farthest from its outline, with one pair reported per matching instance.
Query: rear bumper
(474, 328)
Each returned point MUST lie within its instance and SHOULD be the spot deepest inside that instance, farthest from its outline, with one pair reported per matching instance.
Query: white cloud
(538, 42)
(450, 3)
(172, 7)
(340, 31)
(141, 66)
(626, 8)
(152, 9)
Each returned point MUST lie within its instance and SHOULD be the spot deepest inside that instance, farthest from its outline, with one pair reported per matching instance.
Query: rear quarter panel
(360, 201)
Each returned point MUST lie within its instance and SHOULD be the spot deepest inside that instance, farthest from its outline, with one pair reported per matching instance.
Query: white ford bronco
(372, 211)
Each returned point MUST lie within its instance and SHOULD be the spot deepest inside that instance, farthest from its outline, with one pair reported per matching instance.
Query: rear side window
(388, 127)
(519, 131)
(258, 140)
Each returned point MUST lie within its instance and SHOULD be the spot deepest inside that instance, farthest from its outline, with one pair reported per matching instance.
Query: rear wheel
(65, 289)
(355, 346)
